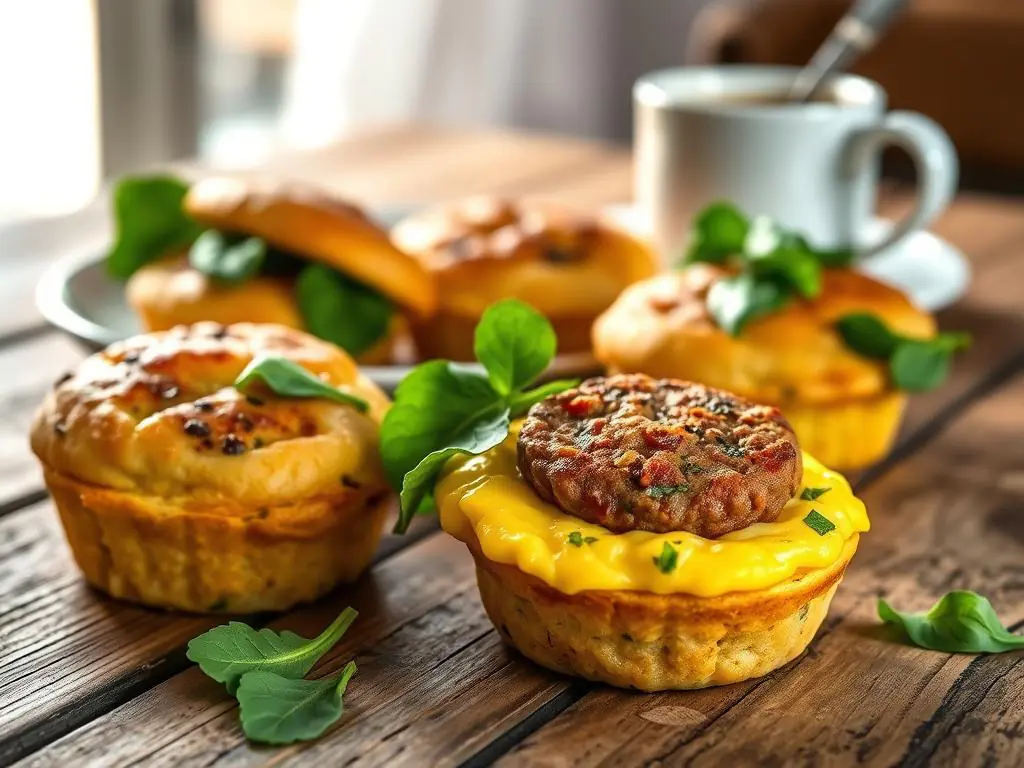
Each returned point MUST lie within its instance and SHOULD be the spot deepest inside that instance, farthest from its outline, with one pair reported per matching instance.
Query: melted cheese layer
(484, 501)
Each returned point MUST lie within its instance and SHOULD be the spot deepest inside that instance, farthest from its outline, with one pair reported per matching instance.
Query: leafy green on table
(287, 378)
(773, 264)
(228, 259)
(227, 652)
(278, 710)
(960, 622)
(342, 310)
(915, 365)
(442, 409)
(264, 670)
(149, 222)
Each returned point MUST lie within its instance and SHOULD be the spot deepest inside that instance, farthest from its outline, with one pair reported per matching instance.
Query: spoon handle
(856, 33)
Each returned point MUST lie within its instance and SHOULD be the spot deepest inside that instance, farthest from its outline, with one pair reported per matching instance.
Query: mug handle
(935, 162)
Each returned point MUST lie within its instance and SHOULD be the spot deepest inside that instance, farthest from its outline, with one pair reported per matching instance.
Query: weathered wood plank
(434, 684)
(70, 653)
(947, 518)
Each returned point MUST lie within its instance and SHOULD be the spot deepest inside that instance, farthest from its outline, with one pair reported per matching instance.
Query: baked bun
(599, 592)
(567, 264)
(841, 405)
(307, 222)
(177, 490)
(169, 292)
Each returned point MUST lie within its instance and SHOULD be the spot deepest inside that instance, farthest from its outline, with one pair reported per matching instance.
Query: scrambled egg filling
(484, 502)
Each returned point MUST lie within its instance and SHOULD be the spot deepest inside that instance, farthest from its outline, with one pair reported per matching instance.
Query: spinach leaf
(149, 222)
(771, 251)
(718, 233)
(520, 403)
(867, 335)
(735, 301)
(278, 710)
(515, 344)
(915, 365)
(442, 409)
(960, 622)
(437, 411)
(341, 310)
(229, 259)
(227, 652)
(287, 378)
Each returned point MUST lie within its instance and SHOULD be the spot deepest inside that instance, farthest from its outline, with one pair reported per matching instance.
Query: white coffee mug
(704, 134)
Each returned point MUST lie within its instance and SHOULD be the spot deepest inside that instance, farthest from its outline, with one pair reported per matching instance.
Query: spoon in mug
(854, 34)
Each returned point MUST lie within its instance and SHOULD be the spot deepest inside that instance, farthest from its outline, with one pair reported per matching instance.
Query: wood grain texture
(434, 683)
(70, 653)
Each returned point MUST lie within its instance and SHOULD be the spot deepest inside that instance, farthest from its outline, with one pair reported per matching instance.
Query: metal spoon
(856, 33)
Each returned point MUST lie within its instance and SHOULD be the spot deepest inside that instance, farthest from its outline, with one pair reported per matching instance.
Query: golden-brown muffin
(177, 490)
(297, 220)
(308, 222)
(641, 608)
(842, 405)
(567, 264)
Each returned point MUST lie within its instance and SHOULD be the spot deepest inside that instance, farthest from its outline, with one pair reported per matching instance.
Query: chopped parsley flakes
(661, 491)
(577, 539)
(818, 523)
(813, 494)
(667, 561)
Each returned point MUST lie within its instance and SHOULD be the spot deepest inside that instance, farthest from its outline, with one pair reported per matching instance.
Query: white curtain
(555, 65)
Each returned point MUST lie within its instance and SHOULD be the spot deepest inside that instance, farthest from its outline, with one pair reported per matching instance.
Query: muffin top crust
(158, 414)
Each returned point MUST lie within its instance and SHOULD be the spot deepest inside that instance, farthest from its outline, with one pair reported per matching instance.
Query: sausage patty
(629, 452)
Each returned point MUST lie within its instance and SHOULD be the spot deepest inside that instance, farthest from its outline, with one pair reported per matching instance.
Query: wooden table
(87, 680)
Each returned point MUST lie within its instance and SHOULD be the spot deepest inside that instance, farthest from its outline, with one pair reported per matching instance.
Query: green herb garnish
(265, 670)
(960, 622)
(342, 310)
(150, 222)
(442, 409)
(277, 710)
(228, 259)
(915, 365)
(577, 539)
(818, 523)
(813, 494)
(289, 379)
(731, 449)
(775, 264)
(227, 652)
(661, 491)
(667, 561)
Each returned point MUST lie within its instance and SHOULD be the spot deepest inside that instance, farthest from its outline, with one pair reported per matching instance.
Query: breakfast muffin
(842, 405)
(568, 265)
(177, 490)
(328, 269)
(682, 539)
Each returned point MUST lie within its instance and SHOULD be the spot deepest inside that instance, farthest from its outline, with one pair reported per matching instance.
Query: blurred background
(94, 88)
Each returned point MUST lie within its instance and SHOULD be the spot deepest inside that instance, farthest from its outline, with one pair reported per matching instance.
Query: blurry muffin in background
(567, 264)
(842, 405)
(231, 251)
